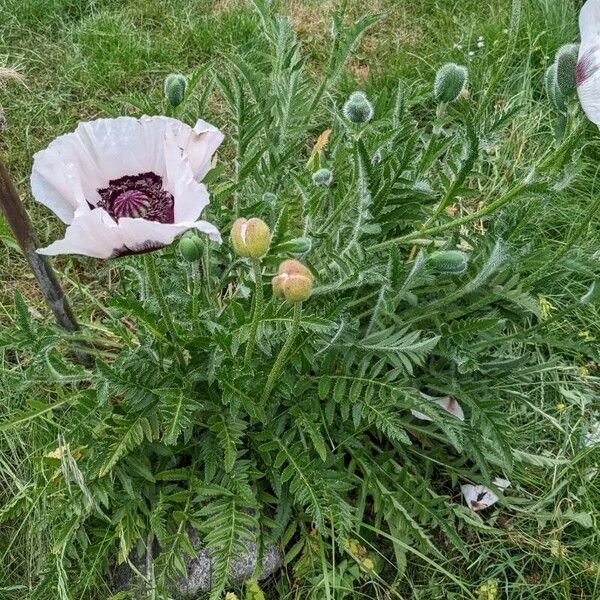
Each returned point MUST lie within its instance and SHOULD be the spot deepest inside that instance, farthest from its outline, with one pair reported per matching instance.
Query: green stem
(153, 280)
(283, 353)
(258, 307)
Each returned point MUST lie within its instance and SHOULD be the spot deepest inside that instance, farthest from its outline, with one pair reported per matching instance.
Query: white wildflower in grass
(480, 44)
(591, 434)
(457, 46)
(480, 497)
(126, 186)
(449, 404)
(587, 72)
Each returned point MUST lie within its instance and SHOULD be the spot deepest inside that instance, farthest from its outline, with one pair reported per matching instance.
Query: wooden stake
(25, 235)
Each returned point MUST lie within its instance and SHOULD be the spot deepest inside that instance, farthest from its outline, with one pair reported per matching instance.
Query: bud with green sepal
(251, 238)
(566, 65)
(175, 88)
(453, 262)
(322, 177)
(190, 248)
(300, 245)
(553, 90)
(293, 281)
(270, 199)
(358, 109)
(450, 81)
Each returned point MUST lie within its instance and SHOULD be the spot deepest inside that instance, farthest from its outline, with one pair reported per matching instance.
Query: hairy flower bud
(293, 281)
(450, 80)
(251, 237)
(175, 87)
(190, 248)
(300, 245)
(449, 261)
(551, 83)
(269, 198)
(322, 177)
(566, 65)
(358, 109)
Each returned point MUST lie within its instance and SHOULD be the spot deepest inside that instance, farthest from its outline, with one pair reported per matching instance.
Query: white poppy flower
(588, 65)
(449, 404)
(125, 185)
(480, 497)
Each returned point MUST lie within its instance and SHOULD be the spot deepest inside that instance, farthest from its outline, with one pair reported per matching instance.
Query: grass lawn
(81, 60)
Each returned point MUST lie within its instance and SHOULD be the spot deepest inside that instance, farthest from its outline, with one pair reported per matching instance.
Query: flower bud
(269, 198)
(449, 261)
(450, 80)
(322, 177)
(251, 237)
(190, 248)
(175, 86)
(300, 245)
(293, 281)
(358, 109)
(566, 65)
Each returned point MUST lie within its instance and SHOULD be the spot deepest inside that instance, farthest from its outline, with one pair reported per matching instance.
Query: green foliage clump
(218, 424)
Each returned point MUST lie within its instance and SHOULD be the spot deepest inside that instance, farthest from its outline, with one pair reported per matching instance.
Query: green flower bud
(449, 261)
(269, 198)
(190, 248)
(175, 86)
(358, 109)
(554, 94)
(300, 245)
(566, 65)
(293, 281)
(450, 81)
(251, 238)
(322, 177)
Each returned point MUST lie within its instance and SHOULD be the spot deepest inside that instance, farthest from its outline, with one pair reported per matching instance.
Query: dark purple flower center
(139, 197)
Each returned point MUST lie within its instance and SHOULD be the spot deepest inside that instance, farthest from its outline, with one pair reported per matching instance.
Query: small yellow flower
(488, 590)
(561, 406)
(583, 372)
(546, 307)
(368, 564)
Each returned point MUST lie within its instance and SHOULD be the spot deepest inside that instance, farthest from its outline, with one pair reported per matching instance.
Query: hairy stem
(258, 308)
(150, 264)
(283, 353)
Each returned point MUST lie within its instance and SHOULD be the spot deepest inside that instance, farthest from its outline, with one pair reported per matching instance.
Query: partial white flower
(449, 404)
(591, 434)
(125, 185)
(588, 65)
(480, 497)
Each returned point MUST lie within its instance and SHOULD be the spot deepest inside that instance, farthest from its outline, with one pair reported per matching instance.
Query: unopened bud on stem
(190, 248)
(251, 238)
(358, 109)
(450, 81)
(175, 87)
(322, 177)
(449, 261)
(293, 281)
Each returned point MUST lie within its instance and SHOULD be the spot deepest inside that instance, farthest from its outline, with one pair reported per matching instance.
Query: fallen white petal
(449, 404)
(478, 497)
